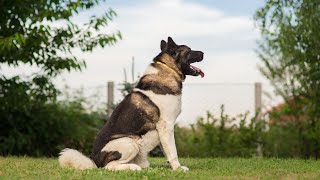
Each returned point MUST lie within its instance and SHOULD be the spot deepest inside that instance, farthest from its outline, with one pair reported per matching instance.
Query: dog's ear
(163, 45)
(171, 43)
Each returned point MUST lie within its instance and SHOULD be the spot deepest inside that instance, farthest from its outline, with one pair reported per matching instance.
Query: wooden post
(132, 69)
(258, 107)
(258, 97)
(110, 97)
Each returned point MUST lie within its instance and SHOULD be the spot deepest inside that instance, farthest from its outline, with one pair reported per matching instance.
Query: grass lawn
(209, 168)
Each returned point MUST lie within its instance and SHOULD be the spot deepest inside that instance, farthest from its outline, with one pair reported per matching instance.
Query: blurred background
(66, 64)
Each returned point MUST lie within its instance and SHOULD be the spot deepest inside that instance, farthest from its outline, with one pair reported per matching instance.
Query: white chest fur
(169, 105)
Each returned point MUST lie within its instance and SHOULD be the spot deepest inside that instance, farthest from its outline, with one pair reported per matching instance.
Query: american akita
(145, 118)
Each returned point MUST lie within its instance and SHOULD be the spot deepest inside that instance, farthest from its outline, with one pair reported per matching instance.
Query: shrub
(34, 124)
(239, 137)
(293, 139)
(220, 137)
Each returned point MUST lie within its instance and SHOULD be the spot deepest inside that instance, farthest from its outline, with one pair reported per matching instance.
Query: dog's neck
(176, 73)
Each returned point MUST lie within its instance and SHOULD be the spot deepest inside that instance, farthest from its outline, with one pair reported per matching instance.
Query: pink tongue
(199, 70)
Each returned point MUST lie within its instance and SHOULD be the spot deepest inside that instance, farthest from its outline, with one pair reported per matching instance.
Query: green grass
(207, 168)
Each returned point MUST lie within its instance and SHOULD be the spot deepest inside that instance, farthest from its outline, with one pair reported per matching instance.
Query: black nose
(201, 56)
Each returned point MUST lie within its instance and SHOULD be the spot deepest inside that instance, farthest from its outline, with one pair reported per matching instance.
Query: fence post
(258, 107)
(258, 97)
(110, 98)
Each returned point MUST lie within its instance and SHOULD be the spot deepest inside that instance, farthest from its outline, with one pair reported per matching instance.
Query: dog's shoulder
(169, 105)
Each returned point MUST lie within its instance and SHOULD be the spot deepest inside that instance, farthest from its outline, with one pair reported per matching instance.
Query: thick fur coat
(145, 118)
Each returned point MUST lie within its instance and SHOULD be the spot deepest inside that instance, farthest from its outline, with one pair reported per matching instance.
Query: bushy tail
(75, 159)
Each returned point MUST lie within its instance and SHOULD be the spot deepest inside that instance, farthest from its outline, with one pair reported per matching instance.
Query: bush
(293, 139)
(220, 137)
(232, 137)
(282, 141)
(34, 124)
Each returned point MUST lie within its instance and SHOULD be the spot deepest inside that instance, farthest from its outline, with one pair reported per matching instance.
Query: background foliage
(226, 136)
(290, 56)
(42, 34)
(37, 127)
(222, 136)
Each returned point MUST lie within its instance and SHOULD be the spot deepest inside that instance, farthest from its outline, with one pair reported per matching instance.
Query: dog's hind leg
(128, 148)
(146, 144)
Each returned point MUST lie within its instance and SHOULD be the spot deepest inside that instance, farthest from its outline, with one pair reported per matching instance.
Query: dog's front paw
(184, 168)
(181, 168)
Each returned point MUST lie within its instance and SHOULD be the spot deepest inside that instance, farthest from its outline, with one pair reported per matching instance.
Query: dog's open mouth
(195, 56)
(197, 71)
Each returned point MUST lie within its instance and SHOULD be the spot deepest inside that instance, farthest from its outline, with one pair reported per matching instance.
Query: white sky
(227, 40)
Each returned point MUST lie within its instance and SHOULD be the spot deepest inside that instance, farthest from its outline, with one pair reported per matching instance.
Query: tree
(28, 34)
(41, 33)
(290, 56)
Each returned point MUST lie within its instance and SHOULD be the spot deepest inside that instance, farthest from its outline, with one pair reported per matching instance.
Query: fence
(197, 99)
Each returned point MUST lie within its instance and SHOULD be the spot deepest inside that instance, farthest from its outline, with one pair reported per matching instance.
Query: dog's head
(183, 56)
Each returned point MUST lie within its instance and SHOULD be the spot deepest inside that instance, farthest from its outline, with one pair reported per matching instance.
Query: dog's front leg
(166, 135)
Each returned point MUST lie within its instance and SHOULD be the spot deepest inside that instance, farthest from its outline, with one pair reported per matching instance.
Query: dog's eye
(185, 52)
(177, 55)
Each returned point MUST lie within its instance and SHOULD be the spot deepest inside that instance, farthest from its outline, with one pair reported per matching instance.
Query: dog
(145, 118)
